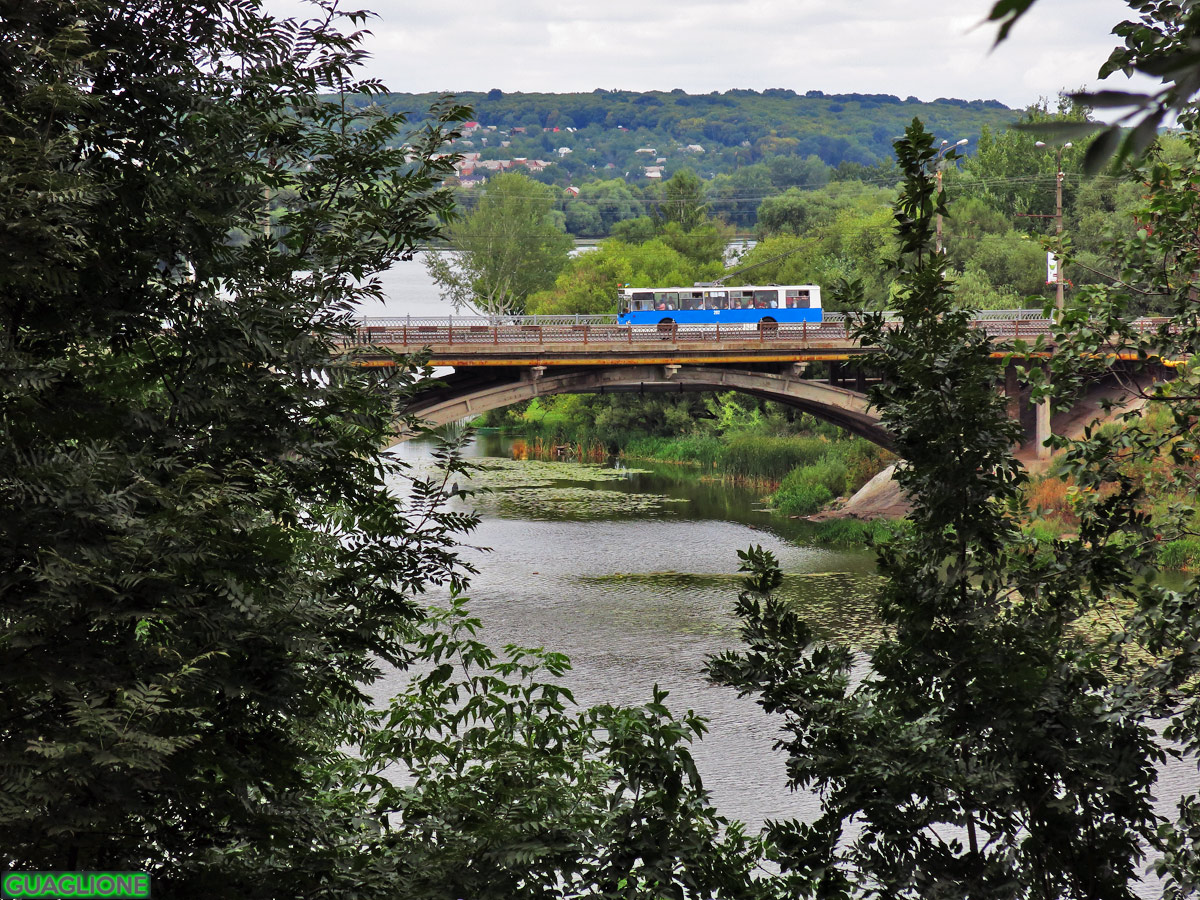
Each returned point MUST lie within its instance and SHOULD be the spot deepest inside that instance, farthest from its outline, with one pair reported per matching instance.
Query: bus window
(666, 300)
(692, 300)
(798, 299)
(717, 300)
(643, 300)
(766, 299)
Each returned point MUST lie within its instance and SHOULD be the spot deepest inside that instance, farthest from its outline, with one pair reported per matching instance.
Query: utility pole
(1058, 224)
(1042, 428)
(938, 162)
(1058, 294)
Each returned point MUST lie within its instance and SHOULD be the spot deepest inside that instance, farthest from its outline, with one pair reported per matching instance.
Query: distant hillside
(599, 134)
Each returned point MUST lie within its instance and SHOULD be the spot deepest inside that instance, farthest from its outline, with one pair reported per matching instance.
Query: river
(632, 574)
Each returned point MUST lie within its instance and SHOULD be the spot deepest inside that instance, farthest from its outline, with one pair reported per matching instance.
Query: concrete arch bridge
(818, 368)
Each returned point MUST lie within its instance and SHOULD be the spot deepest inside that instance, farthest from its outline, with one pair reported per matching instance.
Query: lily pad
(560, 502)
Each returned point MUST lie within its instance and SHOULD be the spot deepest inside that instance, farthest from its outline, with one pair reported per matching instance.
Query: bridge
(819, 368)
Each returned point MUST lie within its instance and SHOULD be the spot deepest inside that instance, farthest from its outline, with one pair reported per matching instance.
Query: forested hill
(734, 129)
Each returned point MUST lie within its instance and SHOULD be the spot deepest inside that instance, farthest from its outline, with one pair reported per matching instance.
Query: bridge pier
(1012, 392)
(1042, 430)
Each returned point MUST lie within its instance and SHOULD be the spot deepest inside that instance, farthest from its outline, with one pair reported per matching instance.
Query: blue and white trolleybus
(710, 304)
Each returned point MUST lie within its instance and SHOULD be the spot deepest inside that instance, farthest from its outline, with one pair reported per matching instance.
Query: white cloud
(900, 47)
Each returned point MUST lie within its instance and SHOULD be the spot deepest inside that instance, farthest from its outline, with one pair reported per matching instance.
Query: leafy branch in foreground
(983, 749)
(204, 566)
(505, 790)
(1163, 42)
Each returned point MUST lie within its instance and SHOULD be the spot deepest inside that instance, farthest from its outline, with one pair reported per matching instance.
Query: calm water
(633, 575)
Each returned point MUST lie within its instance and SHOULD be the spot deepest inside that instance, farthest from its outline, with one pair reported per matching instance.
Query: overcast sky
(925, 49)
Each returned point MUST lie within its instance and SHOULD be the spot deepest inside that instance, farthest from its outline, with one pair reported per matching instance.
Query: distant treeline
(603, 130)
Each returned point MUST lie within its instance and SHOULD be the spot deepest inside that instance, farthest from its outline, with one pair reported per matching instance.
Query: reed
(1182, 555)
(771, 458)
(1049, 497)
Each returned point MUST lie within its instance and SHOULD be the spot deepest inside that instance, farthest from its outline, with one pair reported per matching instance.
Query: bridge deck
(468, 343)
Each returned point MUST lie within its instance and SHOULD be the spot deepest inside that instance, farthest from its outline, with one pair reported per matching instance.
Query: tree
(683, 201)
(1160, 43)
(505, 249)
(1158, 264)
(1014, 175)
(792, 171)
(515, 793)
(984, 751)
(600, 205)
(589, 282)
(203, 562)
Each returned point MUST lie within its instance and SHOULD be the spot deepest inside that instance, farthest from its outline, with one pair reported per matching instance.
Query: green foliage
(1159, 43)
(847, 532)
(204, 564)
(1013, 174)
(510, 790)
(505, 249)
(601, 205)
(683, 201)
(801, 494)
(703, 450)
(801, 212)
(589, 282)
(1181, 555)
(1109, 466)
(770, 458)
(978, 751)
(736, 129)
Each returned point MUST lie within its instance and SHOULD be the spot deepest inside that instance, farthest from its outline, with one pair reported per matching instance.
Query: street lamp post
(1058, 267)
(946, 145)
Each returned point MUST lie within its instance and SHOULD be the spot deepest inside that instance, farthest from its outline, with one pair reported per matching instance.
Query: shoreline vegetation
(809, 473)
(796, 464)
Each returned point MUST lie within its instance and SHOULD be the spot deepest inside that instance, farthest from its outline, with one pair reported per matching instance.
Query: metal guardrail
(467, 322)
(563, 330)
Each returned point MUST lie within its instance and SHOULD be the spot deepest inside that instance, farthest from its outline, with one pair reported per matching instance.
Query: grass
(1182, 555)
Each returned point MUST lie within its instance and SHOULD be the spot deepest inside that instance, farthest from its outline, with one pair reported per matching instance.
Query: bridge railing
(589, 330)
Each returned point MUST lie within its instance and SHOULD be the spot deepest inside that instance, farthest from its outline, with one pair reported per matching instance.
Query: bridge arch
(472, 392)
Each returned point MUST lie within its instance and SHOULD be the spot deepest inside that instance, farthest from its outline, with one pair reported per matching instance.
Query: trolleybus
(709, 304)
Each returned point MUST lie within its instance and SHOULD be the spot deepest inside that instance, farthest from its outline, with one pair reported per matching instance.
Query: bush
(854, 532)
(1182, 555)
(699, 449)
(805, 490)
(801, 499)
